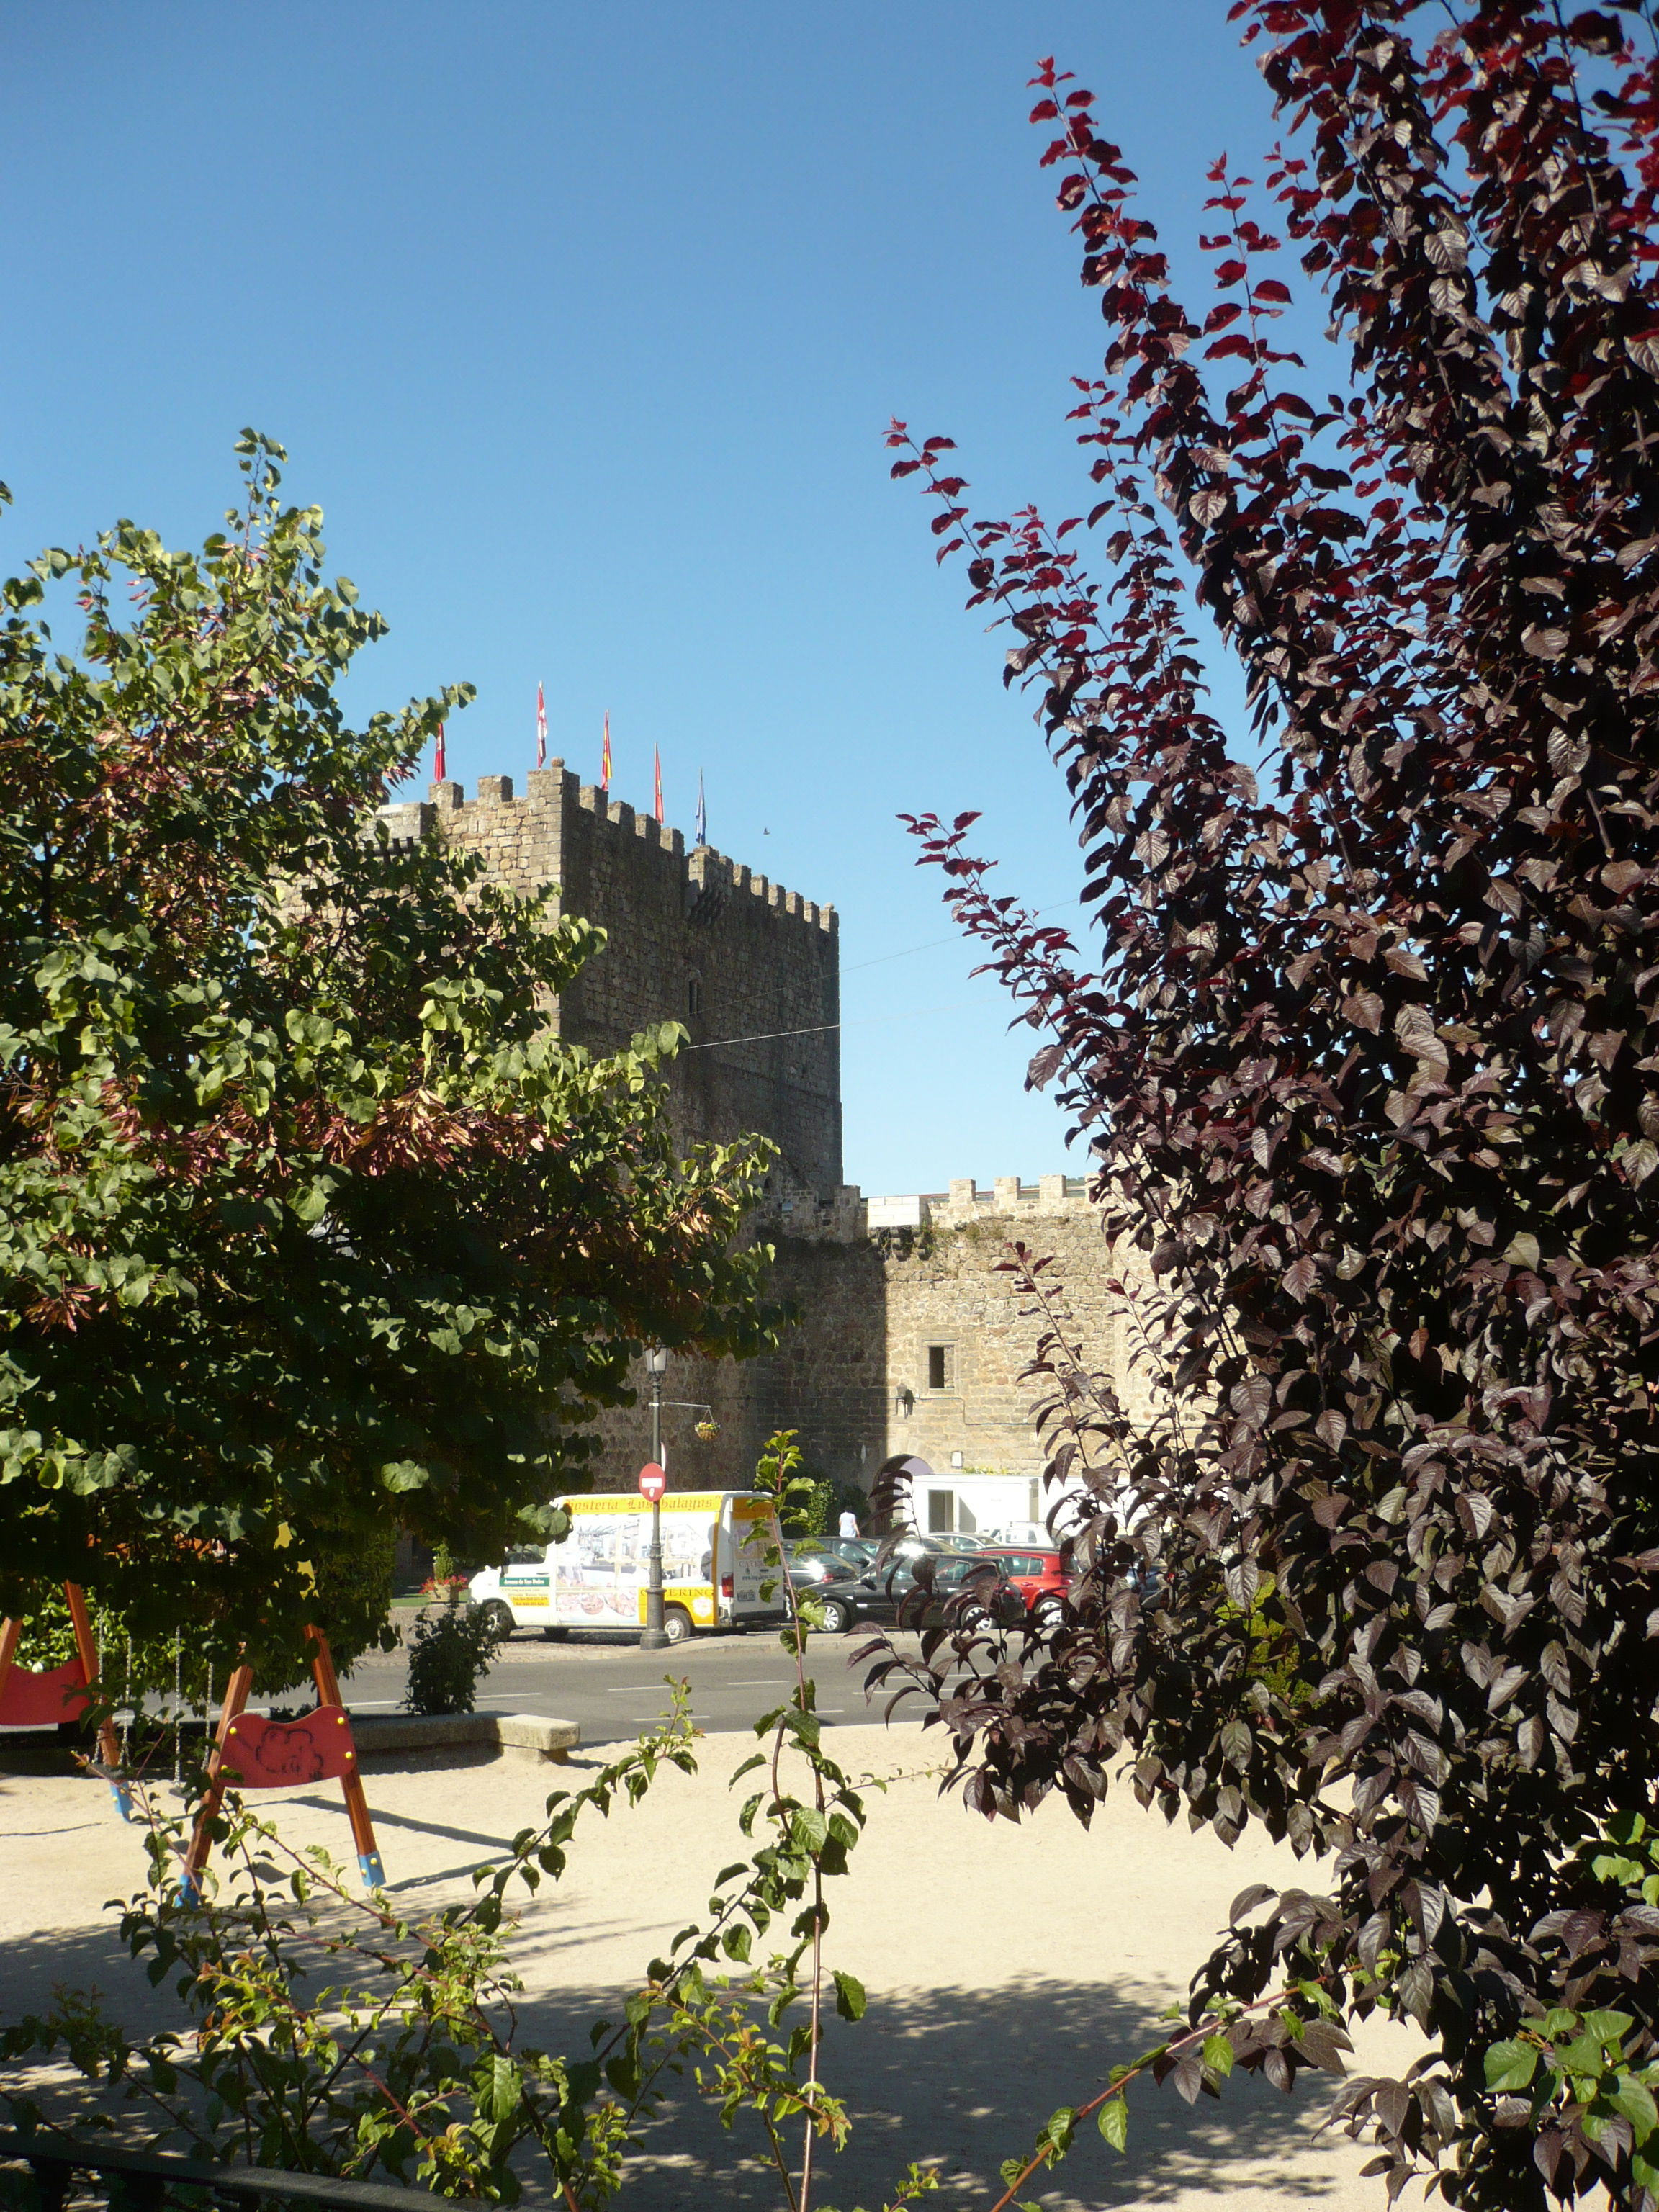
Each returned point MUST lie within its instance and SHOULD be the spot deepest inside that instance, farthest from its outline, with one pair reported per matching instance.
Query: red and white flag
(657, 795)
(437, 756)
(541, 729)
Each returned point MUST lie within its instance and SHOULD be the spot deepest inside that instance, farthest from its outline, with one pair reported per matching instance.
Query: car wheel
(498, 1616)
(676, 1623)
(1047, 1612)
(837, 1618)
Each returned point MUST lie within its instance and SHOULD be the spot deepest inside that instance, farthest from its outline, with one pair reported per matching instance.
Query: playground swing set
(248, 1750)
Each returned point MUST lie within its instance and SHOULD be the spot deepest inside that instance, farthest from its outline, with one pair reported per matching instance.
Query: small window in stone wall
(693, 997)
(941, 1362)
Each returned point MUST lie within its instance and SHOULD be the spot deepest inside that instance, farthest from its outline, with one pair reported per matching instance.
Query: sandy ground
(1007, 1968)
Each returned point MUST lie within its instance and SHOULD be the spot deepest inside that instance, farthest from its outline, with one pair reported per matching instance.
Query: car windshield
(957, 1570)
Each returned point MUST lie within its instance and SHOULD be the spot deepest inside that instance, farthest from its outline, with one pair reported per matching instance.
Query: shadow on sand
(954, 2075)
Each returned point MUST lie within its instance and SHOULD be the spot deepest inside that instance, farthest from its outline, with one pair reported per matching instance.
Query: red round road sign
(652, 1482)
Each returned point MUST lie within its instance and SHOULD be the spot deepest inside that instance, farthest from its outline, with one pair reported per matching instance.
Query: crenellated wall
(751, 969)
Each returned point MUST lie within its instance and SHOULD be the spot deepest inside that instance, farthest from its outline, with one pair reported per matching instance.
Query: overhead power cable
(933, 943)
(822, 1029)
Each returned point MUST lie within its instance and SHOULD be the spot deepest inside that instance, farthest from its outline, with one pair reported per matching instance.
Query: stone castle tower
(750, 969)
(911, 1339)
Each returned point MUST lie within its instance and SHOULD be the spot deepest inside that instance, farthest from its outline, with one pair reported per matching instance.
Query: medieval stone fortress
(911, 1339)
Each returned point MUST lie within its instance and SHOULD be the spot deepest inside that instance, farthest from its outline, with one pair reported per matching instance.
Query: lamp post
(655, 1638)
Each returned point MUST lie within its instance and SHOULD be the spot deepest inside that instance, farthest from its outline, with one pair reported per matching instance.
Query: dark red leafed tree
(1366, 1049)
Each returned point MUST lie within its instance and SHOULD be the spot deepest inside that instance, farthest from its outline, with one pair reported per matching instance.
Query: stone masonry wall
(855, 1376)
(829, 1379)
(751, 971)
(946, 1293)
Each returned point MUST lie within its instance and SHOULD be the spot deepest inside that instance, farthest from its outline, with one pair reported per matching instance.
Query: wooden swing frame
(86, 1650)
(222, 1770)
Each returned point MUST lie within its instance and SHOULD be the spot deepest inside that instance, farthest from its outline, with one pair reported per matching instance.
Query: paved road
(614, 1689)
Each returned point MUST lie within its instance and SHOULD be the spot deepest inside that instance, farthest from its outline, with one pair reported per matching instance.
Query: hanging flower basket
(707, 1430)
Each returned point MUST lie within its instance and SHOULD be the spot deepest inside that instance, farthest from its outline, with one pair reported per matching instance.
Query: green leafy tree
(308, 1224)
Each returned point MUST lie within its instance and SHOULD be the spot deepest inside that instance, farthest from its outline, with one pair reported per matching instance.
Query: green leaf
(850, 1999)
(1219, 2055)
(1114, 2122)
(403, 1474)
(1062, 2126)
(501, 2091)
(809, 1830)
(1511, 2066)
(1634, 2101)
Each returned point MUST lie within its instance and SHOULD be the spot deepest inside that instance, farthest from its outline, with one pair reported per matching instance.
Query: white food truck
(713, 1545)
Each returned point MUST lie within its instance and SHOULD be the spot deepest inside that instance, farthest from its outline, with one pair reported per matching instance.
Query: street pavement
(605, 1682)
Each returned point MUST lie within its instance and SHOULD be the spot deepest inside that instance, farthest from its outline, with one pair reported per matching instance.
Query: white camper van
(713, 1567)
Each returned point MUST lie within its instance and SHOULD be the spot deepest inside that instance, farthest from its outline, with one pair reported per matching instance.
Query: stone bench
(527, 1734)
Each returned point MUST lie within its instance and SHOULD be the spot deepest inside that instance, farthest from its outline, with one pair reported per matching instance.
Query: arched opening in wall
(693, 998)
(900, 1483)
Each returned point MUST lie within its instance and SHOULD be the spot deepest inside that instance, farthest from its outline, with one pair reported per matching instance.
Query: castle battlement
(751, 969)
(964, 1203)
(520, 835)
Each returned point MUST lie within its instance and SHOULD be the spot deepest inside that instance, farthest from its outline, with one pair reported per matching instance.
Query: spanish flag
(604, 757)
(656, 758)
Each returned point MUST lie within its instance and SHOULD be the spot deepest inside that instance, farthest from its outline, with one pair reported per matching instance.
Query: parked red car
(1039, 1576)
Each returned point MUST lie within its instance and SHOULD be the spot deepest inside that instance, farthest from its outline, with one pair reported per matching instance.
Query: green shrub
(448, 1653)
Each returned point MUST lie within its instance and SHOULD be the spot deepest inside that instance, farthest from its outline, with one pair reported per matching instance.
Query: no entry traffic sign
(652, 1482)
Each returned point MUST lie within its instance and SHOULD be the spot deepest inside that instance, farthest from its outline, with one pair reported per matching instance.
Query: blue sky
(583, 326)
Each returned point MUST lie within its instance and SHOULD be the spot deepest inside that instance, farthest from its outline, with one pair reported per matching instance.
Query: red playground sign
(652, 1482)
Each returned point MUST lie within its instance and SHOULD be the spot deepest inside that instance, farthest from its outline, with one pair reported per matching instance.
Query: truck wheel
(555, 1635)
(498, 1616)
(676, 1623)
(837, 1617)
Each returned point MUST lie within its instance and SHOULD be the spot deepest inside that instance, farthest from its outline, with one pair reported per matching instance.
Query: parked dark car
(890, 1593)
(816, 1560)
(832, 1583)
(858, 1551)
